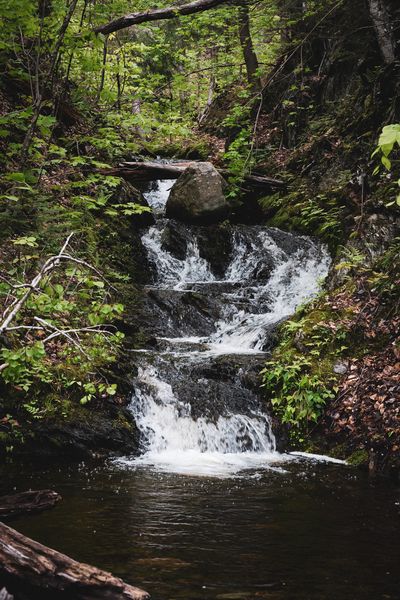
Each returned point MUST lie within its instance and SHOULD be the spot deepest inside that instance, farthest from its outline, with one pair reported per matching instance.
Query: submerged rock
(198, 195)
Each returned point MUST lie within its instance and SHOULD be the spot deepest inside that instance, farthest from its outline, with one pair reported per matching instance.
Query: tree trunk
(211, 87)
(103, 68)
(384, 30)
(136, 110)
(38, 104)
(36, 569)
(249, 55)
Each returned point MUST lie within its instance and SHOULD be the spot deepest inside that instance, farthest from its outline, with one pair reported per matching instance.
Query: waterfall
(192, 400)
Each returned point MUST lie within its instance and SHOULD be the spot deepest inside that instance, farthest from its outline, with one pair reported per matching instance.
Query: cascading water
(195, 397)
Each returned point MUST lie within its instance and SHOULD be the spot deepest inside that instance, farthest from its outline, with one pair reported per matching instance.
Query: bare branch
(50, 264)
(11, 312)
(57, 333)
(79, 261)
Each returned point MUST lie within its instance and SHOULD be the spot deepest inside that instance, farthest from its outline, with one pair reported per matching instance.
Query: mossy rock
(359, 458)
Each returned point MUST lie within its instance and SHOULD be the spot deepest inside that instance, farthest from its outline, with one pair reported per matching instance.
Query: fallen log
(4, 595)
(37, 569)
(27, 502)
(158, 14)
(149, 171)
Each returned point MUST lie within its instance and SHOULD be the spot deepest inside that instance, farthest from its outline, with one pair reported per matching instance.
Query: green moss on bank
(301, 375)
(305, 211)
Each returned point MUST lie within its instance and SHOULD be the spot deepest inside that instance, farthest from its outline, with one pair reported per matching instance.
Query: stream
(196, 397)
(212, 509)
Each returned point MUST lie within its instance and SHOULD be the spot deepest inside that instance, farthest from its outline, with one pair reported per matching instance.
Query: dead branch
(158, 14)
(27, 502)
(147, 171)
(11, 312)
(41, 570)
(50, 264)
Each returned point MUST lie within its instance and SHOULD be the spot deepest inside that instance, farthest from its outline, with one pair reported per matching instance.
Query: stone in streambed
(198, 195)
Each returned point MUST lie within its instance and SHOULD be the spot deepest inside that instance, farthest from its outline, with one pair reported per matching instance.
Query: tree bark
(149, 171)
(211, 87)
(249, 55)
(27, 502)
(38, 103)
(37, 569)
(384, 30)
(158, 14)
(103, 68)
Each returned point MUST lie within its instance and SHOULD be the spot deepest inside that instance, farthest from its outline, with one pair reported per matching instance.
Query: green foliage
(297, 395)
(304, 211)
(24, 365)
(299, 379)
(150, 86)
(351, 261)
(385, 275)
(389, 145)
(61, 337)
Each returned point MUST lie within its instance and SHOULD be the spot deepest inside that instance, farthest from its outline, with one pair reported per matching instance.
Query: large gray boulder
(198, 195)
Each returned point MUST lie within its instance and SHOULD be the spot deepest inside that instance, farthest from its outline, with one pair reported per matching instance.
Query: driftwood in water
(149, 171)
(45, 573)
(27, 502)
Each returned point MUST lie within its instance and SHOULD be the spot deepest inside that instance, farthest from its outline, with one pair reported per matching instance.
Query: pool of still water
(313, 532)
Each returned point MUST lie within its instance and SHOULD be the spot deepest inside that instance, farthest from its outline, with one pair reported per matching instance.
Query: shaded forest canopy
(292, 90)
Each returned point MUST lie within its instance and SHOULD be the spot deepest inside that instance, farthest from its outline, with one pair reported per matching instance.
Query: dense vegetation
(293, 89)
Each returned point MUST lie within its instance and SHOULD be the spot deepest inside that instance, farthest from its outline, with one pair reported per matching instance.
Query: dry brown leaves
(367, 407)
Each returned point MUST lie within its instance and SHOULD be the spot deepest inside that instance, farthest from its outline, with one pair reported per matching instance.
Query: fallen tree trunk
(149, 171)
(37, 569)
(27, 502)
(158, 14)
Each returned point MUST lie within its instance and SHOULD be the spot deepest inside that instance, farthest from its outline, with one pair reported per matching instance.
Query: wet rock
(216, 246)
(174, 312)
(174, 239)
(198, 196)
(215, 387)
(290, 243)
(111, 429)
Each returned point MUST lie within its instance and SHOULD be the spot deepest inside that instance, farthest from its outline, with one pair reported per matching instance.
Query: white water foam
(294, 280)
(173, 440)
(171, 271)
(158, 196)
(176, 442)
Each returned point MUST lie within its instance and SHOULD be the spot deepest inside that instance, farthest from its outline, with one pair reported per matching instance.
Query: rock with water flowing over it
(198, 195)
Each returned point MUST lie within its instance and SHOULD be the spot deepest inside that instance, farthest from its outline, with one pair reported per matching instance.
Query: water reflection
(315, 532)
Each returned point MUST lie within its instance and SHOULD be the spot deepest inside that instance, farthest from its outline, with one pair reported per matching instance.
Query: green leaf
(26, 241)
